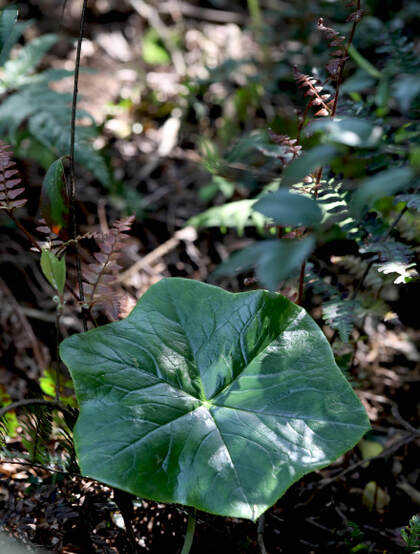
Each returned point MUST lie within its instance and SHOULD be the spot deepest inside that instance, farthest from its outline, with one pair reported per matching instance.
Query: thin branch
(72, 189)
(403, 422)
(340, 75)
(387, 452)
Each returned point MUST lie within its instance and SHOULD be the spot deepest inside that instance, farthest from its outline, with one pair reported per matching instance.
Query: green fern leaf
(341, 315)
(48, 114)
(17, 71)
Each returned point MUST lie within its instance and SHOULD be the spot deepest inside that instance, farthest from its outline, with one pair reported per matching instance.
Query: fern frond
(38, 428)
(101, 274)
(356, 267)
(47, 112)
(3, 433)
(408, 227)
(48, 115)
(392, 256)
(402, 53)
(389, 250)
(290, 148)
(9, 190)
(314, 90)
(341, 315)
(333, 200)
(17, 72)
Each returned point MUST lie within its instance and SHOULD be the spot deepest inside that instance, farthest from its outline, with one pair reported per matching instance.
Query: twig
(403, 422)
(72, 189)
(29, 401)
(187, 234)
(387, 452)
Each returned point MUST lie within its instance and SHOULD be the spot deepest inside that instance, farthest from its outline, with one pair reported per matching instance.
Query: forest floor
(350, 506)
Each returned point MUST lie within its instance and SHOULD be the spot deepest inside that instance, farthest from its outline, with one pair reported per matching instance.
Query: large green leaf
(210, 399)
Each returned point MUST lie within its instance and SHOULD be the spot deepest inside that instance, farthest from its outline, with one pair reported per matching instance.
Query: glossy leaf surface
(210, 399)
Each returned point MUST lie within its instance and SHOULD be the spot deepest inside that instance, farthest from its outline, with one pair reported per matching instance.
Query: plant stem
(57, 353)
(301, 283)
(321, 169)
(125, 505)
(72, 189)
(189, 536)
(341, 71)
(260, 534)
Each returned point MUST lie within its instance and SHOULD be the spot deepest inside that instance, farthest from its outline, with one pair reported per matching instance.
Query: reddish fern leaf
(290, 150)
(314, 90)
(9, 190)
(100, 275)
(339, 55)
